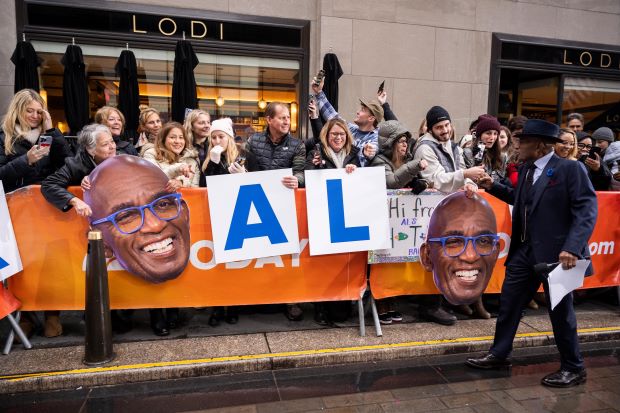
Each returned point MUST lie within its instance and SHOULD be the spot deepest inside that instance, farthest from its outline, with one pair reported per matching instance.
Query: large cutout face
(159, 249)
(461, 267)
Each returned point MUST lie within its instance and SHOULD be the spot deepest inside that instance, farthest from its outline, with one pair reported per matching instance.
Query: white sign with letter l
(347, 212)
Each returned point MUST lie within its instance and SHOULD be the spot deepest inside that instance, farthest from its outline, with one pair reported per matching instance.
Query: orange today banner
(389, 280)
(53, 246)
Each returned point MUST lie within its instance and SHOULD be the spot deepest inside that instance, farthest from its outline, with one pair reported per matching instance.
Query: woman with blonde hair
(223, 154)
(336, 148)
(198, 127)
(30, 151)
(174, 154)
(224, 158)
(567, 149)
(115, 121)
(30, 147)
(149, 127)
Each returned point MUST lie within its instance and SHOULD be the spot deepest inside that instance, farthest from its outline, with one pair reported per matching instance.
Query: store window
(234, 86)
(596, 99)
(551, 78)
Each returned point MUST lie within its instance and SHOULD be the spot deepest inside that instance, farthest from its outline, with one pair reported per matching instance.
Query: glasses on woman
(584, 146)
(455, 245)
(337, 134)
(130, 220)
(568, 143)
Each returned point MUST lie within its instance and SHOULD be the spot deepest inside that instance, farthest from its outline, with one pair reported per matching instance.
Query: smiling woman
(175, 155)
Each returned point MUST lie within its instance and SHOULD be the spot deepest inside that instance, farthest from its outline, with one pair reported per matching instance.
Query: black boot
(232, 315)
(120, 323)
(320, 314)
(216, 316)
(158, 322)
(172, 317)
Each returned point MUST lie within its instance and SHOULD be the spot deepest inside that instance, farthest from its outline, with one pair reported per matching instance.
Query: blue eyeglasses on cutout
(454, 245)
(130, 220)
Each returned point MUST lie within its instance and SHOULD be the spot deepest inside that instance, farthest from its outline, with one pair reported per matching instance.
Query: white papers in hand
(562, 282)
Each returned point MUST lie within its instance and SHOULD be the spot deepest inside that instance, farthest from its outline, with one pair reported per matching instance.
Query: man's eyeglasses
(455, 245)
(130, 220)
(584, 146)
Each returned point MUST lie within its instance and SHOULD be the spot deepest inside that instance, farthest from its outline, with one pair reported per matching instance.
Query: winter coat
(395, 178)
(54, 187)
(442, 179)
(123, 147)
(173, 170)
(288, 153)
(15, 172)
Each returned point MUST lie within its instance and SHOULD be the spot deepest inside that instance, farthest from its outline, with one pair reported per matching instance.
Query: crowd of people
(433, 158)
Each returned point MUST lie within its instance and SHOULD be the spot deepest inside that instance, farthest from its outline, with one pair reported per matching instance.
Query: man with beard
(554, 213)
(144, 225)
(461, 247)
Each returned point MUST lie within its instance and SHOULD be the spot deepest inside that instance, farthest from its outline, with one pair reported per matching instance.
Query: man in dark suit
(554, 214)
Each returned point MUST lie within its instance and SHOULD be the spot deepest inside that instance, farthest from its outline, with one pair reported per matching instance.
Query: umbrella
(128, 93)
(26, 63)
(333, 72)
(75, 89)
(183, 83)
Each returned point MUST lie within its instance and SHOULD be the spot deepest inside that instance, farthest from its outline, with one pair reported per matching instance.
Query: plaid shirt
(360, 138)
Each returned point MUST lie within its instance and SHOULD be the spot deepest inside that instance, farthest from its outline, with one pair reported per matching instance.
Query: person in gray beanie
(603, 137)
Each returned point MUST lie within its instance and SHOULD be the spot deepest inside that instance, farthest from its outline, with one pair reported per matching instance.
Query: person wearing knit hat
(487, 130)
(488, 152)
(435, 115)
(221, 142)
(446, 169)
(602, 137)
(223, 158)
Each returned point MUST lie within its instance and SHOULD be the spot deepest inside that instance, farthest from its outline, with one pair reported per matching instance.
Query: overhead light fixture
(219, 101)
(262, 104)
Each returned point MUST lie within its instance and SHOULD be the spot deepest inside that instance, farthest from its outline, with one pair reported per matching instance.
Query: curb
(105, 376)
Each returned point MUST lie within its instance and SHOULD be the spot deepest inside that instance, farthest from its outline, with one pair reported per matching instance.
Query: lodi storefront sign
(68, 18)
(562, 56)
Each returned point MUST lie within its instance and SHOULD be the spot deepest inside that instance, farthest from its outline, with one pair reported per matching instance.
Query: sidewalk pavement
(269, 343)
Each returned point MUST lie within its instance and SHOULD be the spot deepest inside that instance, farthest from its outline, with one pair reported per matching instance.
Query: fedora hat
(538, 128)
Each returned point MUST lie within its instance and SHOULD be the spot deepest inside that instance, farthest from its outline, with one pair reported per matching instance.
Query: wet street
(440, 383)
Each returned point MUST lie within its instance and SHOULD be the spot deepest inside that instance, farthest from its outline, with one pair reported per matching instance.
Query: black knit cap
(435, 115)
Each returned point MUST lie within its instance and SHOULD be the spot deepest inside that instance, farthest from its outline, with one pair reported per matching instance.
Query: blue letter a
(239, 227)
(335, 205)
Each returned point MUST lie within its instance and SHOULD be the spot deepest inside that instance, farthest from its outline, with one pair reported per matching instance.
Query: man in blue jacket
(554, 213)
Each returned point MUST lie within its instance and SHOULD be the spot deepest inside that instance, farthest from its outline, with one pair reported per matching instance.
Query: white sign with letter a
(10, 261)
(347, 212)
(252, 215)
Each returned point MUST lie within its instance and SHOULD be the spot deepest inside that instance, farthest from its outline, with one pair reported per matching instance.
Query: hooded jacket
(395, 178)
